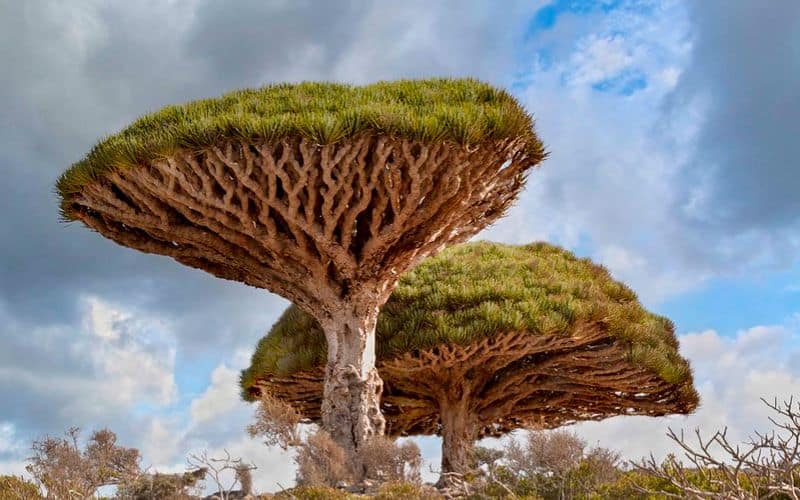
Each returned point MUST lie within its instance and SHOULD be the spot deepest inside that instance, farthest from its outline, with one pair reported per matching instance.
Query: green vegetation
(465, 111)
(18, 488)
(315, 493)
(477, 290)
(388, 491)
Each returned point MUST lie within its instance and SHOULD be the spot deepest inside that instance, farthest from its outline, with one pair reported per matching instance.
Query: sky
(672, 133)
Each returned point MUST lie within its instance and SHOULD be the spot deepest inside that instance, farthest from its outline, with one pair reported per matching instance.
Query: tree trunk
(351, 411)
(458, 440)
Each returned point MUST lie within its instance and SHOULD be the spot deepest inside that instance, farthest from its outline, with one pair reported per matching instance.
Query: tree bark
(351, 411)
(458, 440)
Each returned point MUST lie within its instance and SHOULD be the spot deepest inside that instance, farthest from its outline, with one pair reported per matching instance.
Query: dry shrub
(554, 453)
(603, 465)
(387, 461)
(161, 486)
(276, 422)
(66, 471)
(321, 462)
(557, 464)
(244, 475)
(218, 471)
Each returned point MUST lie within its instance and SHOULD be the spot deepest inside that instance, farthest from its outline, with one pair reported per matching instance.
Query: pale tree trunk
(351, 411)
(458, 440)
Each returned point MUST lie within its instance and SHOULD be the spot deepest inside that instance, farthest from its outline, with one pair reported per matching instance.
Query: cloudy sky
(673, 133)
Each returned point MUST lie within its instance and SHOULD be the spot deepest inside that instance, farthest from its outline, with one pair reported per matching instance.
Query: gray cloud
(744, 75)
(263, 41)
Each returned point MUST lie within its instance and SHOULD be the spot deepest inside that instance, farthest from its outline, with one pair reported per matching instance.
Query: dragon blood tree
(486, 338)
(322, 193)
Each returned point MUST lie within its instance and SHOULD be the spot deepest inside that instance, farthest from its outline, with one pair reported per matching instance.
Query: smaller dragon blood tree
(486, 338)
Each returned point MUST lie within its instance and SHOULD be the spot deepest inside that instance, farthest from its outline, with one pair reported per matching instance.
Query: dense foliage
(476, 290)
(465, 111)
(17, 488)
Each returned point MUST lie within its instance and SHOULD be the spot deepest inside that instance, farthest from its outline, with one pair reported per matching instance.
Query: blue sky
(673, 148)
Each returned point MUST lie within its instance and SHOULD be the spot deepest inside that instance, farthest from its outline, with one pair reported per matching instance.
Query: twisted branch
(514, 380)
(315, 224)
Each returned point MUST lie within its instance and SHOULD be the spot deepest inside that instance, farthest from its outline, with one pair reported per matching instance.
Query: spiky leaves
(463, 111)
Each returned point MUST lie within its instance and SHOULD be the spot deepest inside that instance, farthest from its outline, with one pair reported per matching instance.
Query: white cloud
(12, 450)
(161, 443)
(731, 374)
(275, 467)
(223, 393)
(115, 361)
(465, 38)
(669, 76)
(134, 359)
(8, 440)
(220, 397)
(599, 58)
(215, 424)
(12, 467)
(611, 181)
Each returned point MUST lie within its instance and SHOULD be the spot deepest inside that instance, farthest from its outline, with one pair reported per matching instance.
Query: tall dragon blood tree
(486, 338)
(322, 193)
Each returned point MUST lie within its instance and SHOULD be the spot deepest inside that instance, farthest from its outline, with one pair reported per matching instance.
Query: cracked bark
(458, 438)
(351, 411)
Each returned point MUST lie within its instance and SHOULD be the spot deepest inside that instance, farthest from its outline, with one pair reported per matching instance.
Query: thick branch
(513, 380)
(316, 224)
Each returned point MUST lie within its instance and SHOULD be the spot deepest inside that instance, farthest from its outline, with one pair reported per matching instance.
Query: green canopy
(478, 292)
(461, 110)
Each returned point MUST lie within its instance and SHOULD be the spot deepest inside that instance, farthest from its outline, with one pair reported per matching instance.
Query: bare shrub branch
(766, 465)
(218, 468)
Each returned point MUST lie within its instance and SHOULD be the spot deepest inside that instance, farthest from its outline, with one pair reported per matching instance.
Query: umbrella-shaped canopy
(486, 338)
(323, 193)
